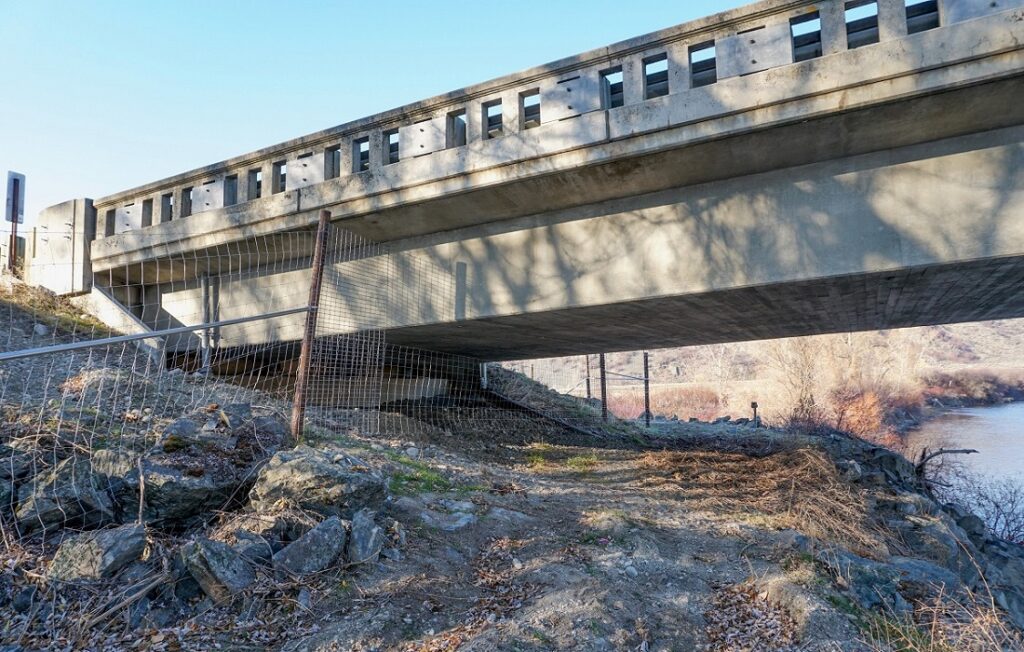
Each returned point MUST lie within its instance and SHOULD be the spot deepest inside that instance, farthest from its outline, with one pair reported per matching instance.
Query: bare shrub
(998, 501)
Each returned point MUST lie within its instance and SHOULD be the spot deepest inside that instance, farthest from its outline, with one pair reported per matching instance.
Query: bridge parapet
(685, 74)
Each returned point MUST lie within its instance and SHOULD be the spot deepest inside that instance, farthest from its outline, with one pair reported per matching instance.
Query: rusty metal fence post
(604, 388)
(315, 283)
(647, 390)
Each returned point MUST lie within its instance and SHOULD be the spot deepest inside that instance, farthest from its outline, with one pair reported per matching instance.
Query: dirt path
(571, 549)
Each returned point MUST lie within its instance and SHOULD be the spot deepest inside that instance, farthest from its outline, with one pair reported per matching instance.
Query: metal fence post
(604, 389)
(589, 393)
(647, 390)
(316, 280)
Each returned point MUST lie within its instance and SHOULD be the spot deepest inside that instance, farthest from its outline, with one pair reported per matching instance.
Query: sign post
(14, 212)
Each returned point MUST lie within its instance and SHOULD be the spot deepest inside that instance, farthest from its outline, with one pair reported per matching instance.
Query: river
(996, 432)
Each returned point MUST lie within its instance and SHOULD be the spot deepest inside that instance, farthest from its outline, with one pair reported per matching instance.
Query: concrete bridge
(786, 168)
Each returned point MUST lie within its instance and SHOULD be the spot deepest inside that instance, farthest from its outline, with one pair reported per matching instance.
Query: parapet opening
(186, 201)
(655, 76)
(255, 184)
(806, 33)
(147, 213)
(612, 95)
(332, 162)
(361, 154)
(231, 190)
(280, 177)
(922, 15)
(493, 126)
(391, 141)
(703, 64)
(529, 104)
(861, 23)
(456, 129)
(166, 207)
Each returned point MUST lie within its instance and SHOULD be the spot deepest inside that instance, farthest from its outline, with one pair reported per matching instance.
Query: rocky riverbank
(726, 538)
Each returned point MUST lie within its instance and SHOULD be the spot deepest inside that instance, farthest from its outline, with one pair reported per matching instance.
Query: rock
(14, 464)
(328, 482)
(41, 330)
(24, 599)
(940, 541)
(314, 551)
(98, 554)
(921, 580)
(850, 470)
(720, 420)
(219, 570)
(174, 495)
(252, 547)
(974, 527)
(183, 427)
(7, 501)
(872, 585)
(277, 529)
(366, 539)
(234, 415)
(412, 452)
(68, 493)
(269, 429)
(447, 522)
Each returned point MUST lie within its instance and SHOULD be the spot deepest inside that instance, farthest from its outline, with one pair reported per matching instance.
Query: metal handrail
(120, 339)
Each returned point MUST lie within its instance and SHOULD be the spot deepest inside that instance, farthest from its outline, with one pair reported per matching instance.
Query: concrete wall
(58, 248)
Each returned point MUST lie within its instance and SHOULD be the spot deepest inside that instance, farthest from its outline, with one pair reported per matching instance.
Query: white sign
(14, 210)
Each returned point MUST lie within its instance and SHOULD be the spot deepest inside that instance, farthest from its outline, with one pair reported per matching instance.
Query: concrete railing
(596, 96)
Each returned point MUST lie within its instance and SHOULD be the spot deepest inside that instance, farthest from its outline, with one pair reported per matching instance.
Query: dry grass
(968, 624)
(798, 489)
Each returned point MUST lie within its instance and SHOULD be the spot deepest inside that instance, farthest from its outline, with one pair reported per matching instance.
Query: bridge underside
(921, 296)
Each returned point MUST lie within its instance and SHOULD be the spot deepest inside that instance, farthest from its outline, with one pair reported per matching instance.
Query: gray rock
(328, 482)
(98, 554)
(183, 427)
(366, 540)
(314, 551)
(269, 429)
(922, 580)
(447, 522)
(172, 496)
(24, 600)
(252, 547)
(219, 570)
(14, 464)
(41, 330)
(235, 414)
(68, 493)
(872, 585)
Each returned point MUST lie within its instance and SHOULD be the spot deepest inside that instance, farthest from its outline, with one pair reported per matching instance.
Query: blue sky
(104, 95)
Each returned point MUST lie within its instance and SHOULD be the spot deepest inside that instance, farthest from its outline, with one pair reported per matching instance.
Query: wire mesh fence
(171, 351)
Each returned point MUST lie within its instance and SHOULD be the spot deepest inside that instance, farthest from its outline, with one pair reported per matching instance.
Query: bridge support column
(604, 389)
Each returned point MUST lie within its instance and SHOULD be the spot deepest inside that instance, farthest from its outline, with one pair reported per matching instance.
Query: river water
(996, 432)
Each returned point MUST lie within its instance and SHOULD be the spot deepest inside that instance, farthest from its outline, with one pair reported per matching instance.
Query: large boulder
(219, 569)
(69, 493)
(192, 471)
(314, 551)
(329, 482)
(98, 554)
(173, 494)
